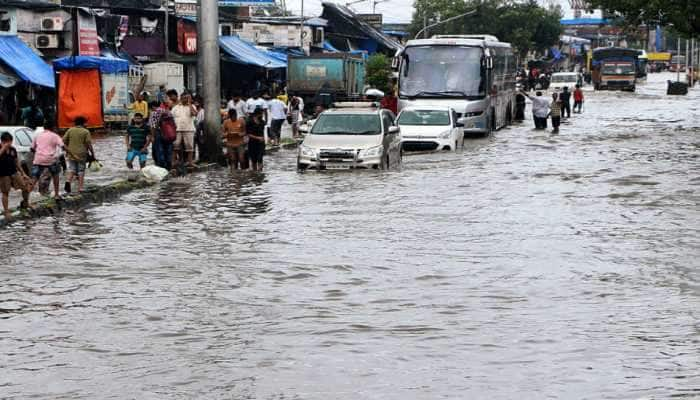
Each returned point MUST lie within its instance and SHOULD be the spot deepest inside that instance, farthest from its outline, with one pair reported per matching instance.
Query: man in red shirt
(578, 99)
(390, 102)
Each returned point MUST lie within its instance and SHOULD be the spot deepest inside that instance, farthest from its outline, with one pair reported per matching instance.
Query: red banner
(88, 45)
(186, 37)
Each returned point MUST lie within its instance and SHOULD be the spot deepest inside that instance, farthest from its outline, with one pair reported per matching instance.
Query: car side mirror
(394, 129)
(461, 122)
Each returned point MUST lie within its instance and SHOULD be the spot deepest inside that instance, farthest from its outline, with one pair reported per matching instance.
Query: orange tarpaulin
(79, 95)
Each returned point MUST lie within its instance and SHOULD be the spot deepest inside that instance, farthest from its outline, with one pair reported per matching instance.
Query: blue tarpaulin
(28, 66)
(243, 52)
(106, 65)
(329, 47)
(584, 21)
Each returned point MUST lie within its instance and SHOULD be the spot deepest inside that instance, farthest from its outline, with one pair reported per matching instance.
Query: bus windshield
(445, 71)
(618, 69)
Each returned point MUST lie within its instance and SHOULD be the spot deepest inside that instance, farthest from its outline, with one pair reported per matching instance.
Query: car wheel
(301, 167)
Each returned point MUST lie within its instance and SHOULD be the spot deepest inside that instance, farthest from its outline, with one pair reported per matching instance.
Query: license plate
(337, 166)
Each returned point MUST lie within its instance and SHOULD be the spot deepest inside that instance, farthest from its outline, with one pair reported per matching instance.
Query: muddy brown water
(527, 266)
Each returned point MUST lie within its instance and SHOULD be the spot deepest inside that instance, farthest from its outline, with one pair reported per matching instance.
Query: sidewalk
(113, 177)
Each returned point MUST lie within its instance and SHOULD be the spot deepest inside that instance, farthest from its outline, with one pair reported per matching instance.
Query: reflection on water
(525, 266)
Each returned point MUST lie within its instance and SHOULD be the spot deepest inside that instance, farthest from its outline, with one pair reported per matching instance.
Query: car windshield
(445, 71)
(618, 69)
(424, 117)
(347, 124)
(563, 78)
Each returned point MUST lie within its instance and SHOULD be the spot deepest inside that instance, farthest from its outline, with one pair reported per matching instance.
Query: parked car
(353, 135)
(430, 128)
(560, 80)
(23, 138)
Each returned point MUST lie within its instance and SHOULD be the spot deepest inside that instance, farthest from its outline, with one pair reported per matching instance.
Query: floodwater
(528, 266)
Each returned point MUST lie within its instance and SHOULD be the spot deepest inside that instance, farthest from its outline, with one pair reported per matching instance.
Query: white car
(22, 141)
(560, 80)
(351, 138)
(430, 128)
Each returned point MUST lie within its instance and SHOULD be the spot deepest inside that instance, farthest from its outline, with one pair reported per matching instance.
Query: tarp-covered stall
(26, 64)
(242, 52)
(93, 87)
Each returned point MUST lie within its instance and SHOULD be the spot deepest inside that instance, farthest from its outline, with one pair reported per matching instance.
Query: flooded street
(526, 266)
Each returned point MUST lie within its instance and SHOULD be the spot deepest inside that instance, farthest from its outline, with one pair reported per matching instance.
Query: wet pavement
(526, 266)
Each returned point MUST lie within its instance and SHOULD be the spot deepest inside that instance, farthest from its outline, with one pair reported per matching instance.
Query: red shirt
(390, 103)
(578, 95)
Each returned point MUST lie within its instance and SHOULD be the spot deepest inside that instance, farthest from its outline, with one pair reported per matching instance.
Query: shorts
(276, 128)
(256, 151)
(556, 121)
(15, 181)
(185, 138)
(37, 170)
(143, 156)
(238, 150)
(77, 167)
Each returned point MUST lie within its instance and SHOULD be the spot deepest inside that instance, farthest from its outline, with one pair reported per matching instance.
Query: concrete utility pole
(301, 28)
(208, 51)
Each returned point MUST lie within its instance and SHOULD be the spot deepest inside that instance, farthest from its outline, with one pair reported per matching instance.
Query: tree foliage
(378, 71)
(526, 25)
(684, 15)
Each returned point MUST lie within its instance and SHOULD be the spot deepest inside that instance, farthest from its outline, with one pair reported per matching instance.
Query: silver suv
(352, 136)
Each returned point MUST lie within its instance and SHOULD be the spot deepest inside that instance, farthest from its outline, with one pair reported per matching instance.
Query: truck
(615, 68)
(170, 75)
(342, 74)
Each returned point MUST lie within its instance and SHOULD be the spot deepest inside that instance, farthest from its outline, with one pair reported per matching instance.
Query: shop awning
(8, 78)
(243, 52)
(28, 66)
(106, 65)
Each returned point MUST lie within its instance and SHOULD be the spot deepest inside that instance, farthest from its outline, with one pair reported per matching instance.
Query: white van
(560, 80)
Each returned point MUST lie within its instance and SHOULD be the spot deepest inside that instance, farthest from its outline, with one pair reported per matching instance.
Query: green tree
(525, 25)
(684, 15)
(378, 71)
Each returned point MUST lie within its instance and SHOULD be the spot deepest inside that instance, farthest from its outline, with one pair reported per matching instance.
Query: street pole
(166, 27)
(426, 26)
(200, 58)
(301, 28)
(208, 51)
(678, 67)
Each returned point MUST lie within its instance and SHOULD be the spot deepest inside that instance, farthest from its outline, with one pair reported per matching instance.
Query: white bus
(473, 74)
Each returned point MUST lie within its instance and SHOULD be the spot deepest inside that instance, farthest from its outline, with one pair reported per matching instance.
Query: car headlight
(372, 152)
(307, 151)
(445, 135)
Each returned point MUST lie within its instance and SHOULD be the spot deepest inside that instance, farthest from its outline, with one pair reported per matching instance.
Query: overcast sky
(393, 10)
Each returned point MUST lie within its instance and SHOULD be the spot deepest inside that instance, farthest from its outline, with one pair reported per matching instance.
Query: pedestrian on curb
(540, 109)
(78, 145)
(255, 130)
(555, 112)
(278, 114)
(46, 156)
(578, 100)
(234, 135)
(295, 114)
(137, 140)
(184, 114)
(565, 99)
(11, 175)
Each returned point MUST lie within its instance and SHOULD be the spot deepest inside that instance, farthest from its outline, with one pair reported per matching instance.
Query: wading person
(540, 109)
(565, 99)
(46, 156)
(278, 114)
(154, 131)
(140, 106)
(255, 130)
(137, 140)
(578, 100)
(234, 131)
(11, 175)
(184, 114)
(520, 107)
(295, 114)
(78, 145)
(555, 112)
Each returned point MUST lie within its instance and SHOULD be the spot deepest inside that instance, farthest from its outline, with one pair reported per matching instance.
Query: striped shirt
(555, 109)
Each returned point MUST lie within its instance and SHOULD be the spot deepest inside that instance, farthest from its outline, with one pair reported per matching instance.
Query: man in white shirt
(237, 104)
(540, 109)
(255, 102)
(184, 114)
(278, 113)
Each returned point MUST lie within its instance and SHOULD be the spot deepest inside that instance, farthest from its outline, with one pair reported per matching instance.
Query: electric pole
(208, 51)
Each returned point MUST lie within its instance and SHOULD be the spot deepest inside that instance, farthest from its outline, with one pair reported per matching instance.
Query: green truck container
(343, 72)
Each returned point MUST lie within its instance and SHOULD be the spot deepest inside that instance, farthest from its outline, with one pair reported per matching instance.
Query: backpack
(168, 129)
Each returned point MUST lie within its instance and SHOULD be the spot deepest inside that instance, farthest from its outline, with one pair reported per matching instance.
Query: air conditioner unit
(47, 41)
(318, 36)
(52, 24)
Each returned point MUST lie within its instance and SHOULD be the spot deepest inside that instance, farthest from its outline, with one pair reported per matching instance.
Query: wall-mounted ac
(52, 24)
(47, 41)
(318, 37)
